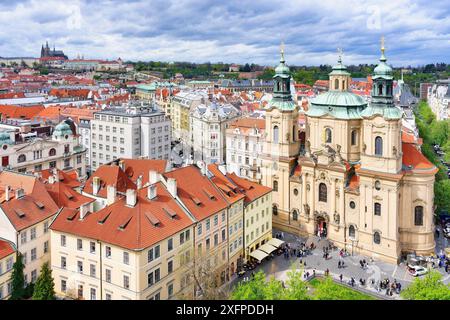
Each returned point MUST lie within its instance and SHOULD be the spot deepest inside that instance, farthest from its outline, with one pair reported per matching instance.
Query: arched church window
(328, 135)
(376, 237)
(294, 133)
(354, 137)
(275, 134)
(351, 231)
(295, 215)
(274, 210)
(418, 216)
(323, 192)
(377, 209)
(275, 185)
(380, 89)
(343, 84)
(378, 146)
(278, 86)
(52, 152)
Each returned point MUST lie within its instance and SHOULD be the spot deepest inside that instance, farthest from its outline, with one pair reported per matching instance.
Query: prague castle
(355, 181)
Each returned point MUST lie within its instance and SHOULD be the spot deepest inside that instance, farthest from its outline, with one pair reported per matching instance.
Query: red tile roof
(192, 186)
(418, 162)
(109, 175)
(249, 123)
(137, 167)
(68, 178)
(35, 194)
(6, 249)
(65, 196)
(28, 112)
(138, 231)
(252, 190)
(225, 186)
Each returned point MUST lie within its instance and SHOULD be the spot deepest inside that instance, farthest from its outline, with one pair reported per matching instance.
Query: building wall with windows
(7, 260)
(110, 272)
(129, 132)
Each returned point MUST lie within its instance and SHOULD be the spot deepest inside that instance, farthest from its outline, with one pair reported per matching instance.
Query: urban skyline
(234, 32)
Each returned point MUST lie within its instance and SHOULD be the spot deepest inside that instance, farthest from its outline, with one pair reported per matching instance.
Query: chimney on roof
(111, 193)
(19, 193)
(7, 195)
(95, 185)
(131, 197)
(51, 179)
(122, 165)
(172, 186)
(139, 182)
(84, 209)
(151, 192)
(153, 177)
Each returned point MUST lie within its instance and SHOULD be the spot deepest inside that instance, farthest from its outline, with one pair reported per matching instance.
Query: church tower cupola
(282, 97)
(339, 77)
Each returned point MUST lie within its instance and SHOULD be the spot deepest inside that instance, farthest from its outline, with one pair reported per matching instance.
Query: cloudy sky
(417, 32)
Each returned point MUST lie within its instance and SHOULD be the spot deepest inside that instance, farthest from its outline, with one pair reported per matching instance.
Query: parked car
(416, 271)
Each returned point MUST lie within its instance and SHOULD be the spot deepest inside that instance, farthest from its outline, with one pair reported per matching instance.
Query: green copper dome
(340, 69)
(382, 70)
(338, 104)
(62, 129)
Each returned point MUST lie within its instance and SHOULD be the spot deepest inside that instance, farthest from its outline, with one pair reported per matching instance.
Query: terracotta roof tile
(109, 175)
(137, 231)
(416, 160)
(6, 249)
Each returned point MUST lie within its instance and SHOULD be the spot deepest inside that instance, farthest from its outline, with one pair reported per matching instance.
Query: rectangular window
(216, 220)
(199, 229)
(108, 296)
(63, 262)
(170, 244)
(93, 294)
(79, 244)
(108, 275)
(92, 247)
(182, 238)
(208, 225)
(33, 254)
(63, 286)
(223, 235)
(170, 290)
(108, 252)
(46, 247)
(80, 266)
(92, 270)
(23, 237)
(126, 282)
(170, 267)
(63, 240)
(45, 226)
(126, 258)
(33, 233)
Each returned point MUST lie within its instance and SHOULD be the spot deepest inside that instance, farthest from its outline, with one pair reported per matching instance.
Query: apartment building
(26, 212)
(235, 217)
(244, 141)
(131, 131)
(29, 148)
(7, 260)
(198, 195)
(181, 106)
(208, 126)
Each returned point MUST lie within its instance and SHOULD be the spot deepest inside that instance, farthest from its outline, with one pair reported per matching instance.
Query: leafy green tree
(254, 289)
(18, 279)
(44, 286)
(296, 288)
(273, 289)
(441, 195)
(327, 289)
(430, 287)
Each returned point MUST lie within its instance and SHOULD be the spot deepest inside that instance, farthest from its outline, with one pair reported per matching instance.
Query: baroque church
(355, 181)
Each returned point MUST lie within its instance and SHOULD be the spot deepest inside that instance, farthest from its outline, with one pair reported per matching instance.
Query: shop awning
(275, 242)
(258, 254)
(267, 248)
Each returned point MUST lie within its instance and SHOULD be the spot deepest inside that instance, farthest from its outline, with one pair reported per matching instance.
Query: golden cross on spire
(382, 44)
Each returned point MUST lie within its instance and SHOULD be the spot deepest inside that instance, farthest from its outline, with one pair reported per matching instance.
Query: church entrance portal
(321, 227)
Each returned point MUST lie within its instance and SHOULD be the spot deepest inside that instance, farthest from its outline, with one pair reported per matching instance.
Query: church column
(333, 197)
(342, 200)
(304, 200)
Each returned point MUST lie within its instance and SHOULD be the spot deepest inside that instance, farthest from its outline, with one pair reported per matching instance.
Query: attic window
(20, 213)
(68, 195)
(124, 225)
(209, 194)
(153, 220)
(172, 214)
(196, 201)
(72, 216)
(40, 205)
(103, 220)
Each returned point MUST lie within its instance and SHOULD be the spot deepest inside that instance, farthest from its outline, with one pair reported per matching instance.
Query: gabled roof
(17, 112)
(134, 228)
(68, 178)
(191, 186)
(228, 189)
(109, 175)
(65, 196)
(251, 190)
(36, 204)
(137, 167)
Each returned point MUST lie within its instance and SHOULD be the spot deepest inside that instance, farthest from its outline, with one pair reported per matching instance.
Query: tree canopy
(430, 287)
(18, 279)
(44, 286)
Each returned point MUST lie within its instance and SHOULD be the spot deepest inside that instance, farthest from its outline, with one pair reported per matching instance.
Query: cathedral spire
(282, 52)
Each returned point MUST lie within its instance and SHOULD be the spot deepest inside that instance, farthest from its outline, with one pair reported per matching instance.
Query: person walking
(341, 276)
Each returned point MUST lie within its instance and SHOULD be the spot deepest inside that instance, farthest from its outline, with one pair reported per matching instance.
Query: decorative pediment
(38, 145)
(378, 198)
